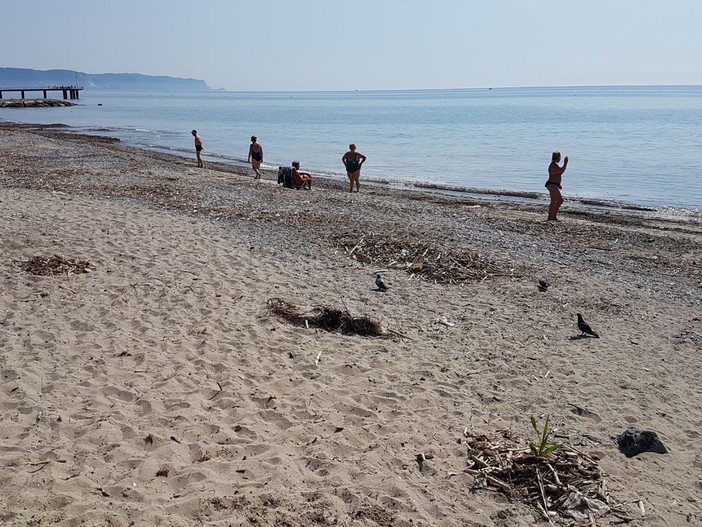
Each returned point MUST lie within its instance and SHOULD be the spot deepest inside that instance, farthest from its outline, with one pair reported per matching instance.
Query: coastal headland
(161, 387)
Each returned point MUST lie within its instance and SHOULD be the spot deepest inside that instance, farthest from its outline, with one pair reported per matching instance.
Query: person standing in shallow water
(198, 148)
(555, 176)
(352, 161)
(255, 156)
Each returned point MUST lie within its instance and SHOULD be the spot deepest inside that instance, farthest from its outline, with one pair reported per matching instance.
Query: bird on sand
(380, 283)
(543, 285)
(585, 328)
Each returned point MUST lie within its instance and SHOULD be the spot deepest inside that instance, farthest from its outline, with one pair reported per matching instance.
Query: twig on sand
(393, 332)
(216, 393)
(34, 464)
(319, 356)
(543, 493)
(357, 245)
(42, 464)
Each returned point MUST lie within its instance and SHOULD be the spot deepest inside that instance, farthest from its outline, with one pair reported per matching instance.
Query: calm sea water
(630, 145)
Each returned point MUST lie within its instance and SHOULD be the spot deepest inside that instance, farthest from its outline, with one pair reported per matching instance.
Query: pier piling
(72, 92)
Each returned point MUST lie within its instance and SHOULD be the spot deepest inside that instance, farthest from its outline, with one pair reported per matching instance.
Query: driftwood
(440, 265)
(566, 484)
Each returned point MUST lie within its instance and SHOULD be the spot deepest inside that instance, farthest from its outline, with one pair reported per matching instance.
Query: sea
(631, 147)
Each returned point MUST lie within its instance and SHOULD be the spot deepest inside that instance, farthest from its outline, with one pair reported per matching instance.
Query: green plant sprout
(545, 445)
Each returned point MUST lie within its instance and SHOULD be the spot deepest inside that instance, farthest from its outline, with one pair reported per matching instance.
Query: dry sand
(158, 389)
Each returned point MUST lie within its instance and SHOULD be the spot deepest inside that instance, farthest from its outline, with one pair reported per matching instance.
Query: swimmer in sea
(255, 157)
(555, 175)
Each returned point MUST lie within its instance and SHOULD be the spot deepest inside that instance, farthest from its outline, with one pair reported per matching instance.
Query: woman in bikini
(555, 175)
(255, 157)
(352, 161)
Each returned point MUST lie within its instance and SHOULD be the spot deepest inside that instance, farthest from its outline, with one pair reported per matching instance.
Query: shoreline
(34, 103)
(159, 388)
(526, 197)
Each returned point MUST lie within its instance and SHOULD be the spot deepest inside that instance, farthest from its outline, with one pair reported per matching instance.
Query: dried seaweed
(326, 318)
(54, 265)
(425, 261)
(564, 484)
(285, 310)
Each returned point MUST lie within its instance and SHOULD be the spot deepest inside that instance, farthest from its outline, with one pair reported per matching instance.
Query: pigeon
(543, 285)
(585, 328)
(380, 283)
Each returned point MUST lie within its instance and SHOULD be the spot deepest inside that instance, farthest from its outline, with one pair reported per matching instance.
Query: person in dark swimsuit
(352, 161)
(198, 148)
(255, 157)
(555, 176)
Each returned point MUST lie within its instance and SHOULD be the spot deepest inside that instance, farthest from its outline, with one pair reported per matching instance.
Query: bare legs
(354, 177)
(256, 165)
(556, 201)
(199, 159)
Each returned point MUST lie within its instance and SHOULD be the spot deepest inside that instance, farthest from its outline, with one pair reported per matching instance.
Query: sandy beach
(160, 389)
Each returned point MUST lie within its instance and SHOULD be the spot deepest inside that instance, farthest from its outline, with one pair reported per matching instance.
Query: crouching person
(285, 176)
(300, 179)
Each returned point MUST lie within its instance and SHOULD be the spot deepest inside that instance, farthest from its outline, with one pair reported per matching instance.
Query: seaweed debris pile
(326, 318)
(55, 265)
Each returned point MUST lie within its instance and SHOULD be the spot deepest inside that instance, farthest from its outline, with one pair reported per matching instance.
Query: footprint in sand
(122, 395)
(144, 406)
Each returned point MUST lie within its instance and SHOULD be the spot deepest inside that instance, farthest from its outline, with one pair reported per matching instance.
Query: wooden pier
(69, 92)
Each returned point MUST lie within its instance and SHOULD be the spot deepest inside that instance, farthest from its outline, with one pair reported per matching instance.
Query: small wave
(226, 157)
(613, 204)
(680, 213)
(164, 148)
(231, 160)
(529, 197)
(471, 190)
(104, 129)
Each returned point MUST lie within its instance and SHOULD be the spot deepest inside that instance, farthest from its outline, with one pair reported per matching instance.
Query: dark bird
(585, 328)
(543, 285)
(380, 283)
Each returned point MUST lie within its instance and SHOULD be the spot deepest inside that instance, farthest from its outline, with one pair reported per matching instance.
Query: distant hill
(28, 78)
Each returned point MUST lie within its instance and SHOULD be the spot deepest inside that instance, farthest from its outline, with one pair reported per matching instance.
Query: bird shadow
(580, 337)
(378, 290)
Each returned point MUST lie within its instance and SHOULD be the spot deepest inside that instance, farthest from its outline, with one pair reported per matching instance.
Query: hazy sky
(362, 44)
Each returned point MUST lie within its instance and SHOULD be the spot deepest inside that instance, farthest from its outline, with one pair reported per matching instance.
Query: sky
(271, 45)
